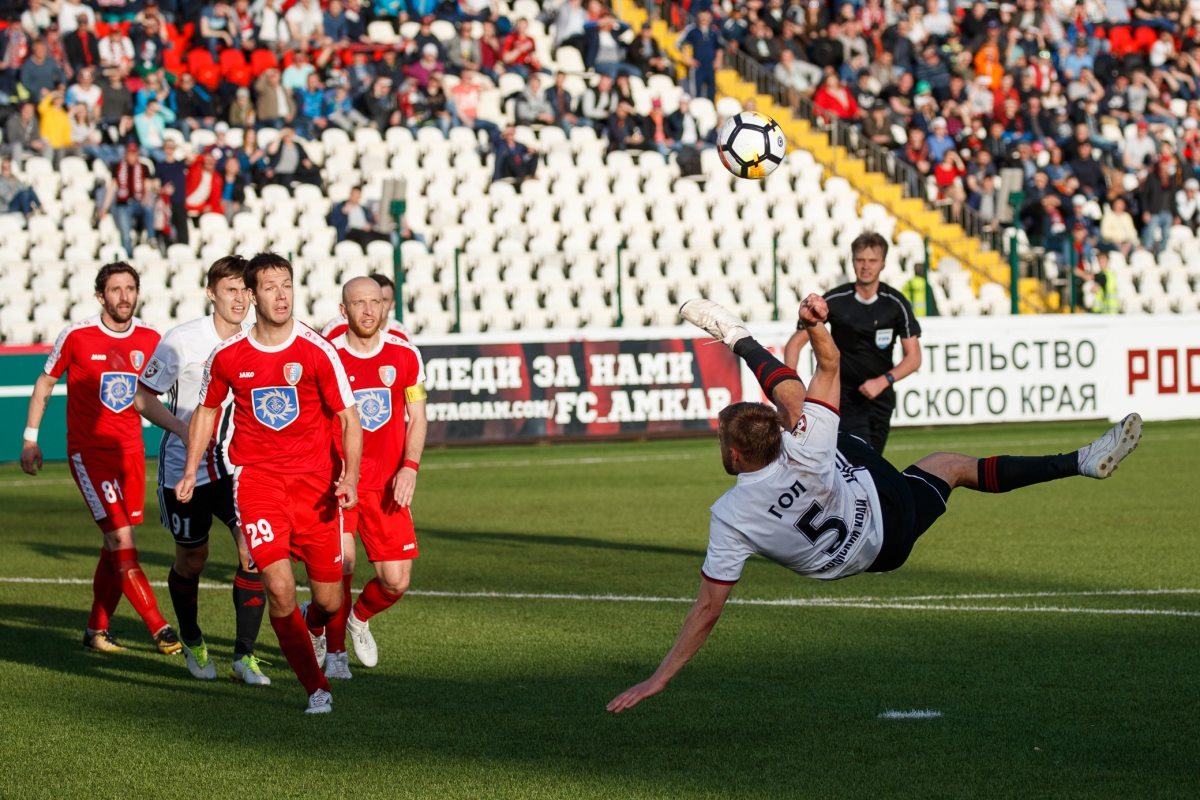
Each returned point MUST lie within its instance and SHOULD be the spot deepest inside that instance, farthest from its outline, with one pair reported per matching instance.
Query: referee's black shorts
(911, 501)
(869, 420)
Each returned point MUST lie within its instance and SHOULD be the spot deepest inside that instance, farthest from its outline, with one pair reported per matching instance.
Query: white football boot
(319, 702)
(364, 643)
(1100, 458)
(199, 663)
(337, 665)
(718, 321)
(318, 642)
(247, 670)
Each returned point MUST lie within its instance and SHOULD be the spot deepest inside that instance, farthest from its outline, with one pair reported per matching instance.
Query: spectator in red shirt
(834, 100)
(518, 54)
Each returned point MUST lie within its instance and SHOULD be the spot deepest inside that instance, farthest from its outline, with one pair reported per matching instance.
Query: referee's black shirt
(866, 332)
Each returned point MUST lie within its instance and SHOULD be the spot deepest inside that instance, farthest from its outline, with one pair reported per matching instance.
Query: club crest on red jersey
(275, 406)
(117, 390)
(387, 375)
(292, 372)
(137, 358)
(374, 408)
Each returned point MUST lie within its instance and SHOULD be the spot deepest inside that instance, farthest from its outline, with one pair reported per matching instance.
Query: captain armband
(414, 393)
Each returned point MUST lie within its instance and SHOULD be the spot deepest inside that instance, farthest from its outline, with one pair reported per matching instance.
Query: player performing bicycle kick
(825, 505)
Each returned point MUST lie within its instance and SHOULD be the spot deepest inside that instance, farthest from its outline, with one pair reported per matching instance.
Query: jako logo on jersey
(883, 338)
(117, 390)
(374, 407)
(800, 432)
(292, 372)
(387, 375)
(245, 374)
(99, 357)
(137, 358)
(275, 406)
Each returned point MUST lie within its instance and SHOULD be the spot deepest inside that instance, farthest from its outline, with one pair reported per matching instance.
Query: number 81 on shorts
(259, 532)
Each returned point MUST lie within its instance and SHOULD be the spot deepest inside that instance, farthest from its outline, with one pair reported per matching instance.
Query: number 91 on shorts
(284, 516)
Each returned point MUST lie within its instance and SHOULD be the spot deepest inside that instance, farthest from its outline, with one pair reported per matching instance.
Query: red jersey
(102, 369)
(383, 382)
(284, 399)
(337, 326)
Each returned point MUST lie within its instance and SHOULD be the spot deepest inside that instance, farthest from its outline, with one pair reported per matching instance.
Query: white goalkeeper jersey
(175, 370)
(811, 511)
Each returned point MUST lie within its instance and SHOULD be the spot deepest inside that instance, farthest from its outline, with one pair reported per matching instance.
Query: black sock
(767, 369)
(1005, 473)
(249, 601)
(184, 592)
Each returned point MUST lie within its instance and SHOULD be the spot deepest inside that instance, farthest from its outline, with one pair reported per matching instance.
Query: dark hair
(383, 280)
(116, 268)
(753, 430)
(261, 263)
(228, 267)
(869, 239)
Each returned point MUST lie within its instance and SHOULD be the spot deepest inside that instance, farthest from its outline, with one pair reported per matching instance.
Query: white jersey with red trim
(338, 325)
(102, 369)
(285, 397)
(175, 371)
(811, 511)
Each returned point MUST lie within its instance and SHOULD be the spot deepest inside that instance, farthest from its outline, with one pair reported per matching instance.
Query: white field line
(913, 714)
(563, 462)
(916, 603)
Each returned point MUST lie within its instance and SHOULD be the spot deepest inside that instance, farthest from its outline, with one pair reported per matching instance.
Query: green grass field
(504, 697)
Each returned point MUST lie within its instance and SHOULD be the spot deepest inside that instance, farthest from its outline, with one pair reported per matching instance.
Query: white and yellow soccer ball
(751, 145)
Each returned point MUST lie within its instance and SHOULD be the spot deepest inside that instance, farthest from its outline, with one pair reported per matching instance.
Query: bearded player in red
(287, 385)
(337, 326)
(388, 378)
(103, 357)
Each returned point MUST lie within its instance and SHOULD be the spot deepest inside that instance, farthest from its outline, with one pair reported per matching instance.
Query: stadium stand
(607, 194)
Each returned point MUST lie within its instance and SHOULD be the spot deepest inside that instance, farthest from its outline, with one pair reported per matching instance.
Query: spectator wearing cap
(81, 46)
(276, 107)
(514, 161)
(1187, 204)
(707, 54)
(428, 66)
(128, 197)
(241, 111)
(940, 142)
(646, 56)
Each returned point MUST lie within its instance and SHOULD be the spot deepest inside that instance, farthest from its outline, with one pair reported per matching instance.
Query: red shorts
(290, 515)
(113, 484)
(385, 527)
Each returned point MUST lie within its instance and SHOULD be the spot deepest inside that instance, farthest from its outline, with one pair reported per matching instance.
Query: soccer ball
(751, 145)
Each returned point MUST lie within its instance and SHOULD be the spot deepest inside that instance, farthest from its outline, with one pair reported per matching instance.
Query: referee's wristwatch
(891, 379)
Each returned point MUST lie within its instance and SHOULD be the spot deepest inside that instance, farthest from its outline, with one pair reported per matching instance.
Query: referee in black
(866, 318)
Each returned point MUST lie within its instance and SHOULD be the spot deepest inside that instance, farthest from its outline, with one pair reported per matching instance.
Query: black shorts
(911, 501)
(189, 523)
(869, 420)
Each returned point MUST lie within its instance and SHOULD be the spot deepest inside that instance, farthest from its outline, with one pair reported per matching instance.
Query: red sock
(106, 593)
(136, 588)
(316, 618)
(297, 649)
(374, 600)
(335, 631)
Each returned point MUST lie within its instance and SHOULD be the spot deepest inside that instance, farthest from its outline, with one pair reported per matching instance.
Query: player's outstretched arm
(826, 384)
(152, 409)
(699, 623)
(405, 483)
(31, 454)
(199, 435)
(352, 444)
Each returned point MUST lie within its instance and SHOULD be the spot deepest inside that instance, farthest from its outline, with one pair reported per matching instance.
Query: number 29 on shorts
(259, 532)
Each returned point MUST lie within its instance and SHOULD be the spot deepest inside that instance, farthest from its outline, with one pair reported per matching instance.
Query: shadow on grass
(531, 539)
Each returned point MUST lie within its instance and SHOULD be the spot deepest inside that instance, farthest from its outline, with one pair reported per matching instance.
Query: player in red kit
(388, 379)
(103, 357)
(287, 385)
(337, 326)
